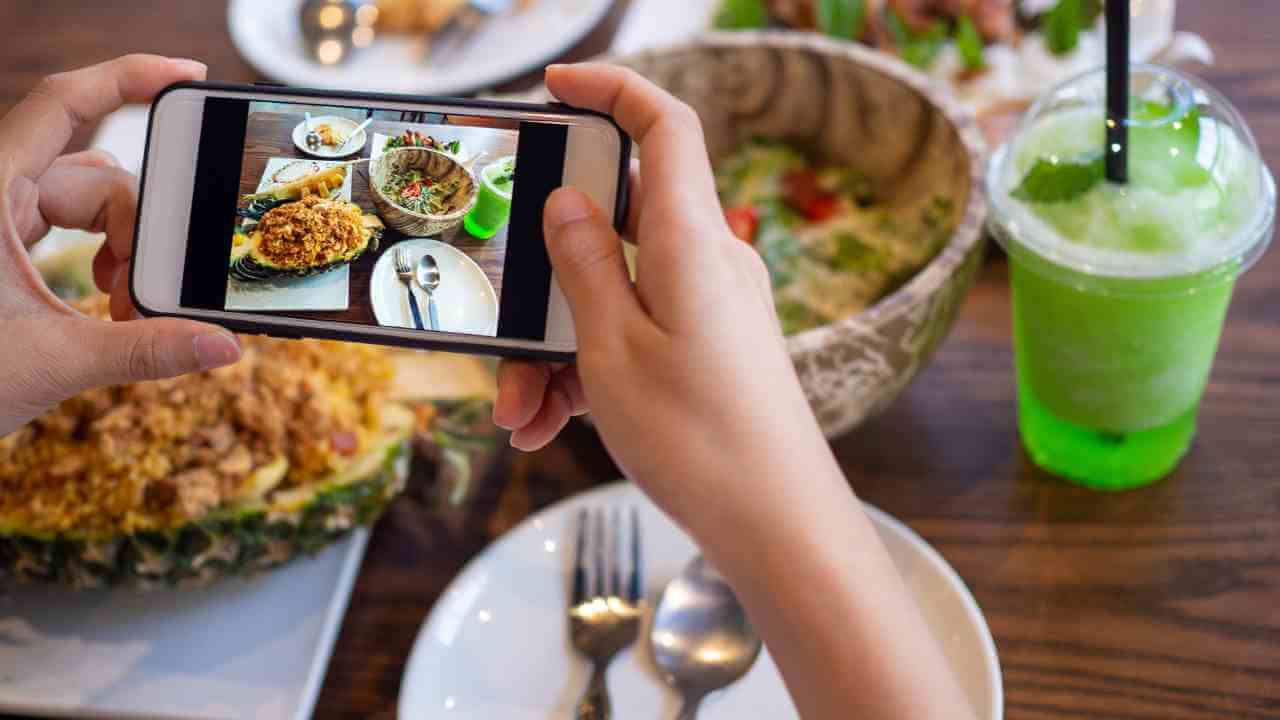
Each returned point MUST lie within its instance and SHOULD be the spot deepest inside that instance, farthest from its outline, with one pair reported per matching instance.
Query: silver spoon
(312, 138)
(702, 640)
(428, 276)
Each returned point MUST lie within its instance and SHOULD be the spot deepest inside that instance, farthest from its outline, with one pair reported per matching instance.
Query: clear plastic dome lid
(1198, 197)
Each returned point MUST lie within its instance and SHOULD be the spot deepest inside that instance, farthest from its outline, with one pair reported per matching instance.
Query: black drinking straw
(1117, 150)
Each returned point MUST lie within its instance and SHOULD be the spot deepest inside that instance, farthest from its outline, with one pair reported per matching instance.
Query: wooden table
(270, 135)
(1162, 603)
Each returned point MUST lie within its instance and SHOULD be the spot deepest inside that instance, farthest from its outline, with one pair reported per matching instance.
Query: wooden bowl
(847, 104)
(435, 165)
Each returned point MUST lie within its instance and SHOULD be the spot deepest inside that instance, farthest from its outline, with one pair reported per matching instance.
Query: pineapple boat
(181, 481)
(301, 228)
(302, 238)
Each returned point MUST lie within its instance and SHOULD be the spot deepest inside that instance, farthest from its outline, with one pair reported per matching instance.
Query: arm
(697, 400)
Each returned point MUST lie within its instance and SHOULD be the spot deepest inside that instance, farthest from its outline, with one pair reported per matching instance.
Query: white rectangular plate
(326, 291)
(239, 648)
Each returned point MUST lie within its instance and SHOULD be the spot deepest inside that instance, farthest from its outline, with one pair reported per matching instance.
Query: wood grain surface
(270, 135)
(1160, 604)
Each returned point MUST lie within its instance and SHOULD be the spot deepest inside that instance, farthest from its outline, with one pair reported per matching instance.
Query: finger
(121, 304)
(125, 352)
(586, 254)
(34, 133)
(551, 418)
(521, 385)
(105, 267)
(97, 199)
(566, 380)
(93, 157)
(81, 353)
(673, 155)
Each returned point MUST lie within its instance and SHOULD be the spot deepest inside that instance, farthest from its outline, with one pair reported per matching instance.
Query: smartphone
(389, 219)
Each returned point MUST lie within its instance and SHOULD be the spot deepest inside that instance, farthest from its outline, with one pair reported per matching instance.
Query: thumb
(586, 254)
(115, 353)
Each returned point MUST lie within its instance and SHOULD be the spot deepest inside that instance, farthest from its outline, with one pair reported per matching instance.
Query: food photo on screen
(376, 217)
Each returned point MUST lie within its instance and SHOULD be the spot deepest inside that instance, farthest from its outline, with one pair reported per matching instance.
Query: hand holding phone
(54, 353)
(685, 371)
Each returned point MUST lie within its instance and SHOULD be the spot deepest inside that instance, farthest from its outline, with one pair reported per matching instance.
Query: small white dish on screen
(325, 291)
(269, 37)
(496, 644)
(344, 127)
(465, 301)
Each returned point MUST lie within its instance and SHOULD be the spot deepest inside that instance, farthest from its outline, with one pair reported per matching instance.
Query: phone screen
(369, 216)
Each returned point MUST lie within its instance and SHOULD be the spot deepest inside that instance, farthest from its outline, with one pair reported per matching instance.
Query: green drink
(493, 203)
(1120, 291)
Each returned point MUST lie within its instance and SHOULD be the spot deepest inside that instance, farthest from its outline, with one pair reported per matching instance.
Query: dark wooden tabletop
(1161, 603)
(270, 135)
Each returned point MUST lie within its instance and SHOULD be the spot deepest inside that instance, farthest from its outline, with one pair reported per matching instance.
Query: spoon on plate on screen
(428, 276)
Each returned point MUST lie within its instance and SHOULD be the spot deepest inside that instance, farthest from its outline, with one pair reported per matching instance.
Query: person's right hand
(686, 367)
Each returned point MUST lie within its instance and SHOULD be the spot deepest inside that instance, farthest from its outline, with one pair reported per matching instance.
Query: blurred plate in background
(269, 37)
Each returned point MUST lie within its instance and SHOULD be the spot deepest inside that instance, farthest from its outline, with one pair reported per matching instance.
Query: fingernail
(192, 66)
(567, 206)
(216, 349)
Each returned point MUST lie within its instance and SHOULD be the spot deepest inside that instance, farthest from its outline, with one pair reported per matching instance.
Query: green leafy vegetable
(969, 44)
(918, 49)
(741, 15)
(1050, 182)
(842, 18)
(851, 253)
(1062, 26)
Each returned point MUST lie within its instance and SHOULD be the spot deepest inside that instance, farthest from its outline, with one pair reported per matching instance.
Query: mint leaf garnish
(1050, 182)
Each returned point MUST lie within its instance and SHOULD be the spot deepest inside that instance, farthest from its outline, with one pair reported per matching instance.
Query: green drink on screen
(1120, 290)
(493, 202)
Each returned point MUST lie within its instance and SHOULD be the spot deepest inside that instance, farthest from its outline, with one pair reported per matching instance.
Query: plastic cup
(493, 202)
(1120, 291)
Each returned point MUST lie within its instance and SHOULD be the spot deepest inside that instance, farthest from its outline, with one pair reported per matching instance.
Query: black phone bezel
(480, 347)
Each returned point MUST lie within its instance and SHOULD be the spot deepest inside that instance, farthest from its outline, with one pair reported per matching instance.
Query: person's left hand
(53, 352)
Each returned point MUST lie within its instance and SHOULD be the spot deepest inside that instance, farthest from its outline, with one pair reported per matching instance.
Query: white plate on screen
(345, 126)
(465, 301)
(326, 291)
(267, 34)
(495, 644)
(239, 648)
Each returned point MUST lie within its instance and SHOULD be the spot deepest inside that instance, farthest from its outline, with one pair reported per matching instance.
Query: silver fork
(404, 271)
(604, 619)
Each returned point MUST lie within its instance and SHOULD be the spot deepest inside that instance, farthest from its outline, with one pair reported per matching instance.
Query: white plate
(240, 648)
(345, 126)
(495, 644)
(326, 291)
(268, 36)
(465, 300)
